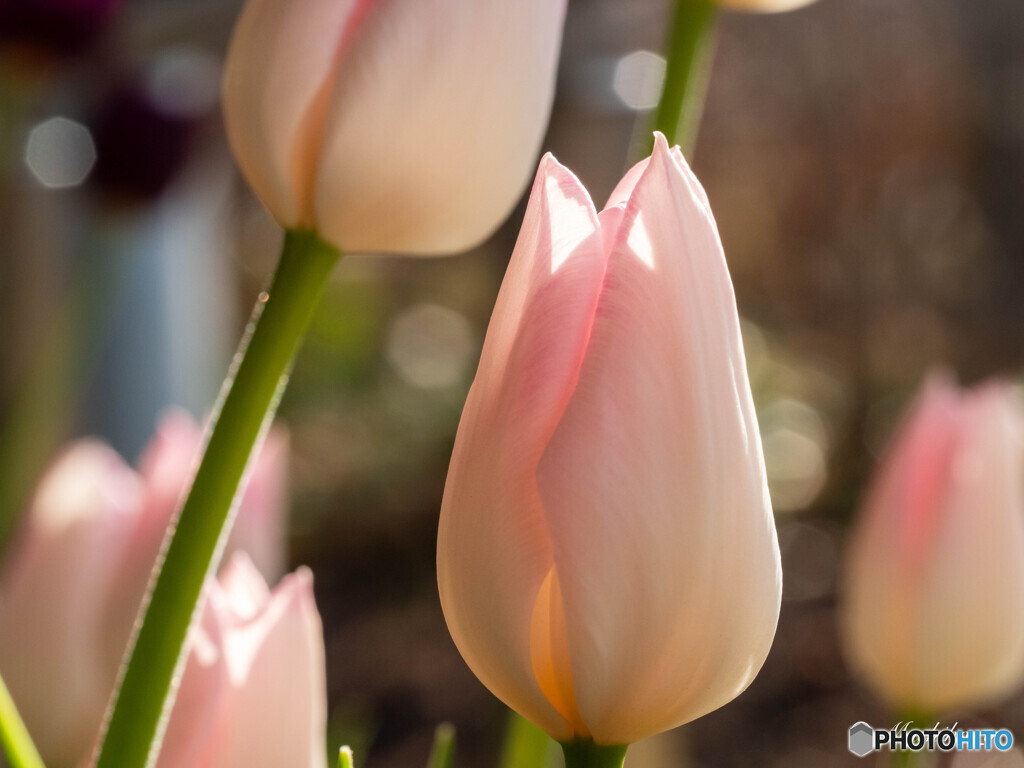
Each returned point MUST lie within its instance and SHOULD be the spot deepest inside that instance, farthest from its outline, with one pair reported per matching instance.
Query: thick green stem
(17, 744)
(690, 53)
(247, 406)
(584, 753)
(905, 758)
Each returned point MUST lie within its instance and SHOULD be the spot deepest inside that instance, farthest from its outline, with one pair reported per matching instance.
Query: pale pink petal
(276, 710)
(654, 485)
(53, 593)
(436, 116)
(260, 525)
(243, 591)
(277, 82)
(624, 190)
(494, 548)
(197, 718)
(943, 525)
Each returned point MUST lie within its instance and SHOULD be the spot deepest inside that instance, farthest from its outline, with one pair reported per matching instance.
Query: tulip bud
(763, 6)
(71, 590)
(407, 126)
(607, 558)
(254, 691)
(934, 602)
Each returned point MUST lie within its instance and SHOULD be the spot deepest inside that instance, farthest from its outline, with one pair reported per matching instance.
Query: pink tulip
(53, 597)
(405, 126)
(934, 601)
(254, 689)
(607, 557)
(73, 582)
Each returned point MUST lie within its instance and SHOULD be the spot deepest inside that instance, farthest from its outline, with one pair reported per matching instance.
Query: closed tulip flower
(407, 126)
(934, 602)
(254, 690)
(71, 587)
(607, 558)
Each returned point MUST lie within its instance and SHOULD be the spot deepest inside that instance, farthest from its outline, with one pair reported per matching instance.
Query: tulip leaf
(345, 758)
(527, 746)
(442, 754)
(14, 736)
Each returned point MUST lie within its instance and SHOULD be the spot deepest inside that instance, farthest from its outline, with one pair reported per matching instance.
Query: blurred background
(865, 160)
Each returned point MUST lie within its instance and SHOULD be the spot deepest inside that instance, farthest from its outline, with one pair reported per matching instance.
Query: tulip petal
(277, 78)
(195, 720)
(432, 127)
(274, 655)
(986, 589)
(933, 614)
(53, 597)
(261, 523)
(494, 549)
(653, 484)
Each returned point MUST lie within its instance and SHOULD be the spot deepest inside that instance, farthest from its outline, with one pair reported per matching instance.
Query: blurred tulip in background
(764, 6)
(934, 602)
(77, 572)
(254, 690)
(407, 126)
(607, 557)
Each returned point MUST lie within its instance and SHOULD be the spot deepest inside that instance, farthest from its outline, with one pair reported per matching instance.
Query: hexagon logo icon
(862, 739)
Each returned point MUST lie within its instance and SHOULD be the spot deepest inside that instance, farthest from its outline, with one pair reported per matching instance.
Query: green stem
(14, 737)
(246, 410)
(584, 753)
(904, 758)
(442, 754)
(689, 57)
(526, 745)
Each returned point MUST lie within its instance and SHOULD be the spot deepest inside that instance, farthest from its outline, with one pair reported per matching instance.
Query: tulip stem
(249, 398)
(442, 754)
(14, 736)
(584, 753)
(690, 54)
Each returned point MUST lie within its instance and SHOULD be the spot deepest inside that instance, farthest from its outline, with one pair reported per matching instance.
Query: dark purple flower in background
(140, 146)
(62, 27)
(145, 129)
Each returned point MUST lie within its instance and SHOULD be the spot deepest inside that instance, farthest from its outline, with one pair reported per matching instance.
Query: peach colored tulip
(934, 602)
(607, 557)
(406, 126)
(72, 584)
(764, 6)
(254, 691)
